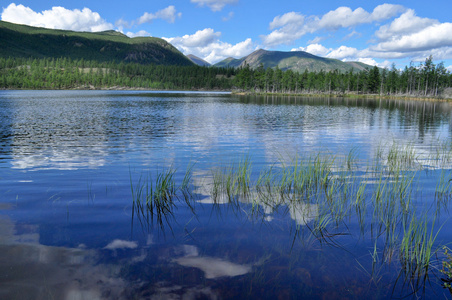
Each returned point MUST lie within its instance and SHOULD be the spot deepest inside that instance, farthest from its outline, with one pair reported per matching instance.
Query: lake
(187, 195)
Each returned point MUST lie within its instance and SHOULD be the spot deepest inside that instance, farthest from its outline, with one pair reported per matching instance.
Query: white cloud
(434, 36)
(405, 36)
(315, 49)
(343, 17)
(407, 23)
(221, 50)
(291, 26)
(386, 64)
(386, 11)
(368, 61)
(366, 56)
(279, 37)
(343, 52)
(288, 20)
(168, 14)
(215, 5)
(206, 45)
(137, 34)
(201, 38)
(56, 18)
(413, 37)
(437, 54)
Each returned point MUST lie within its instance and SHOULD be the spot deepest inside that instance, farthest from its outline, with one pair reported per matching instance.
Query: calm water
(69, 161)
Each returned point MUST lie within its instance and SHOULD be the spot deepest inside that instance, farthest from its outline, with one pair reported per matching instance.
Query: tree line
(65, 73)
(425, 79)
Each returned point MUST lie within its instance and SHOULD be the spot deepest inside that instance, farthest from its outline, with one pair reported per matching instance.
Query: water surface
(70, 161)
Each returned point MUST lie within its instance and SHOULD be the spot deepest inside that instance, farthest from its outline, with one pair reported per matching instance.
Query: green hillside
(21, 41)
(298, 61)
(230, 62)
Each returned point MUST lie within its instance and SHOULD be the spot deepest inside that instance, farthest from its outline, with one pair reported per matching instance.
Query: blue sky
(374, 32)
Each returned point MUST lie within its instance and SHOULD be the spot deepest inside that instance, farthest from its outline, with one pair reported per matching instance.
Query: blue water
(70, 159)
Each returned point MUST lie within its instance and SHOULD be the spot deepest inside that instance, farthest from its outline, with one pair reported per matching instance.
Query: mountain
(294, 60)
(35, 42)
(230, 62)
(198, 61)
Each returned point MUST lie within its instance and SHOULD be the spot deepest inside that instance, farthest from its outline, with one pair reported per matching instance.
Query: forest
(426, 79)
(65, 73)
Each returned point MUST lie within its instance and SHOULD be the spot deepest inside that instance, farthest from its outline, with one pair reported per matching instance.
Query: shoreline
(241, 93)
(350, 95)
(119, 88)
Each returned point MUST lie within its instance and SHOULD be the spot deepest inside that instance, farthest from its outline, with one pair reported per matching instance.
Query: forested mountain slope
(21, 41)
(298, 61)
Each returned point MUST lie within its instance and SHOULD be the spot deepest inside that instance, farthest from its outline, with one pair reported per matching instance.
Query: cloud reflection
(34, 271)
(211, 266)
(301, 212)
(121, 244)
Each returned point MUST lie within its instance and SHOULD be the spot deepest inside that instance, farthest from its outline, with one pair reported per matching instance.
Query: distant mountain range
(34, 42)
(198, 61)
(297, 61)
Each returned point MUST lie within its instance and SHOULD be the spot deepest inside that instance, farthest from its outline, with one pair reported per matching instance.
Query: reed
(443, 154)
(323, 194)
(447, 270)
(443, 190)
(417, 247)
(232, 181)
(351, 158)
(154, 200)
(403, 156)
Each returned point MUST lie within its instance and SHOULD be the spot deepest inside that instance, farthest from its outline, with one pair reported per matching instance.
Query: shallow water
(71, 163)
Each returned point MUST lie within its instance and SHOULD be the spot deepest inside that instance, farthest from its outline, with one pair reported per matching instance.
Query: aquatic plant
(443, 191)
(156, 198)
(447, 270)
(324, 195)
(401, 156)
(231, 181)
(417, 247)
